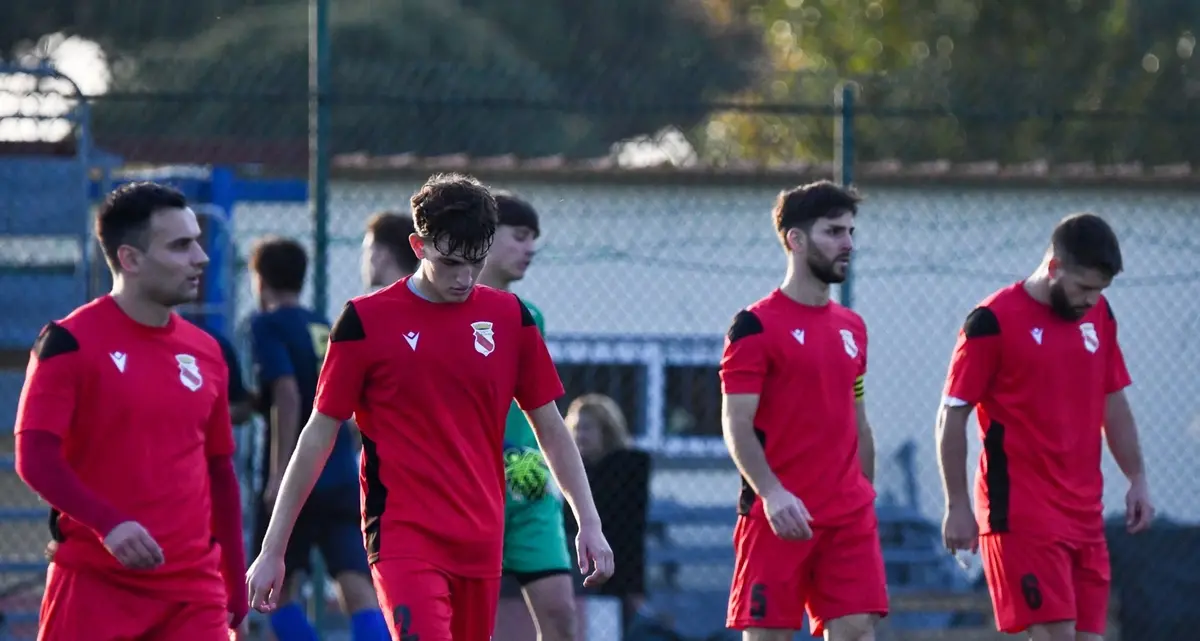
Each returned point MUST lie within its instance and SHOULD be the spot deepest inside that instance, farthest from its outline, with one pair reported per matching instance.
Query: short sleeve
(219, 434)
(271, 356)
(975, 359)
(52, 379)
(537, 378)
(860, 384)
(344, 372)
(1117, 376)
(745, 360)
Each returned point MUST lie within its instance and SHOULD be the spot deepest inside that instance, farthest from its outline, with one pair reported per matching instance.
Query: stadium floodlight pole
(318, 147)
(843, 153)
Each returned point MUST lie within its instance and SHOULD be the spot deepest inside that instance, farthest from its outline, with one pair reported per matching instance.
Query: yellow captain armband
(859, 388)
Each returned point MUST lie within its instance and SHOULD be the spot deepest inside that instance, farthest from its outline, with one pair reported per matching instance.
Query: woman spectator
(620, 480)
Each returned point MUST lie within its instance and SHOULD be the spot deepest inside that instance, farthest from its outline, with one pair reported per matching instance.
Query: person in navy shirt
(289, 343)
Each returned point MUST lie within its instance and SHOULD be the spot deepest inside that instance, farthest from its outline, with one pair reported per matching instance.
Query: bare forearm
(308, 459)
(748, 455)
(952, 454)
(866, 450)
(1120, 430)
(562, 456)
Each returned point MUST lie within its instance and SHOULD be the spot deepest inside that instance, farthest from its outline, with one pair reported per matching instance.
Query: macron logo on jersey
(118, 359)
(1036, 332)
(411, 338)
(798, 334)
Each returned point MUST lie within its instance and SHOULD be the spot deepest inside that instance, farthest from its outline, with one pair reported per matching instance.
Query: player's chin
(457, 295)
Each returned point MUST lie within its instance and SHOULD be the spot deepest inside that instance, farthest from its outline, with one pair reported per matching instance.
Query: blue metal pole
(218, 293)
(844, 162)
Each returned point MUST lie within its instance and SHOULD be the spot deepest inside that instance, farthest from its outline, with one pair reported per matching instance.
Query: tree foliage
(427, 76)
(975, 80)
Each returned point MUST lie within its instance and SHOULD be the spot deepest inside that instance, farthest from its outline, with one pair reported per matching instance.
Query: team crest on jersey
(1091, 341)
(485, 340)
(189, 372)
(848, 343)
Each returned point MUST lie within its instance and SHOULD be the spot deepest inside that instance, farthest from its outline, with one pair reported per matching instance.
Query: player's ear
(418, 245)
(1052, 267)
(129, 258)
(795, 239)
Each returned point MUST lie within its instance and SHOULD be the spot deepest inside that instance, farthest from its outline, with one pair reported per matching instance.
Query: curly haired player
(429, 367)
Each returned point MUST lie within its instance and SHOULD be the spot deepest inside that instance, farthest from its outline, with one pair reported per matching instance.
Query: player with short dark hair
(535, 538)
(1040, 363)
(387, 256)
(795, 420)
(428, 366)
(123, 428)
(289, 342)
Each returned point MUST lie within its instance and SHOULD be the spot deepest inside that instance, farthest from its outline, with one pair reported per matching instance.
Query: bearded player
(429, 367)
(1040, 363)
(795, 421)
(123, 428)
(535, 540)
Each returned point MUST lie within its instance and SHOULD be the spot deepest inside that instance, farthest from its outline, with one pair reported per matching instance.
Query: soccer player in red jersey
(796, 425)
(428, 366)
(123, 428)
(1040, 363)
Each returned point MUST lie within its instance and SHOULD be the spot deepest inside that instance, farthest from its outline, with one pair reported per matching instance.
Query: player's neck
(803, 287)
(279, 301)
(424, 288)
(494, 280)
(1038, 285)
(139, 309)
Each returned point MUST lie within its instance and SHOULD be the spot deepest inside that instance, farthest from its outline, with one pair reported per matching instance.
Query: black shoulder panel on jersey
(746, 323)
(981, 322)
(348, 326)
(526, 315)
(54, 340)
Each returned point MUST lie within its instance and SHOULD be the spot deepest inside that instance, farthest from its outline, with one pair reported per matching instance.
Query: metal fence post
(318, 149)
(318, 203)
(843, 154)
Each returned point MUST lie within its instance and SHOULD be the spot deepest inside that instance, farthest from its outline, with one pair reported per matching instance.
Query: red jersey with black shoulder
(139, 410)
(806, 364)
(1039, 384)
(430, 385)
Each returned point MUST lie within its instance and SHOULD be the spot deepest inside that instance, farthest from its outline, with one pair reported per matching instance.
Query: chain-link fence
(652, 138)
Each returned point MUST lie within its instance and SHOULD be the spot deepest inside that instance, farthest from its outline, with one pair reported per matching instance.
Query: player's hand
(1139, 510)
(133, 546)
(788, 517)
(960, 531)
(264, 582)
(594, 554)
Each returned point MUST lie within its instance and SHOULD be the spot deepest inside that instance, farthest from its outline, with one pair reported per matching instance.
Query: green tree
(531, 78)
(974, 80)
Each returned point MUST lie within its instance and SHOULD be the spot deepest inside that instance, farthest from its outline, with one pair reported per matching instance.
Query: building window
(693, 401)
(624, 383)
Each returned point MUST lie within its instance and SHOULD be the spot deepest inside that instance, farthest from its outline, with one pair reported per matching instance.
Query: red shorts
(423, 602)
(82, 605)
(837, 573)
(1036, 580)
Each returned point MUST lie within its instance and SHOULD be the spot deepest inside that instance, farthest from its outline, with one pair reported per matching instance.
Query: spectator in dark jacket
(620, 480)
